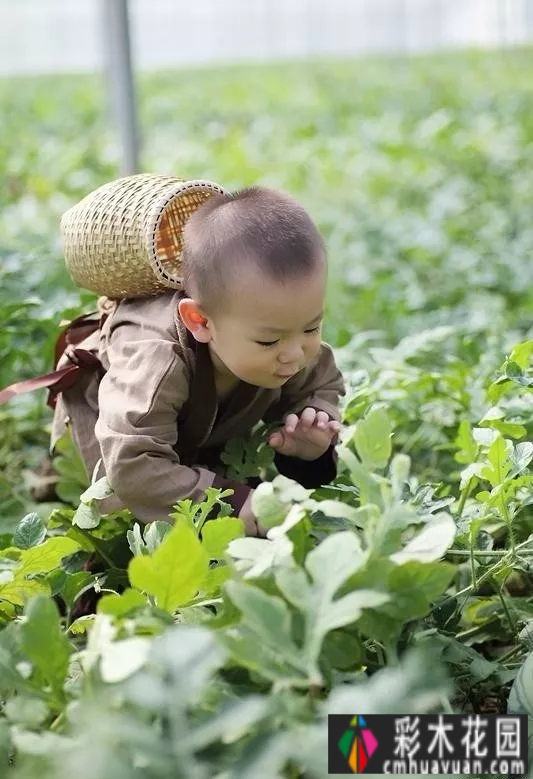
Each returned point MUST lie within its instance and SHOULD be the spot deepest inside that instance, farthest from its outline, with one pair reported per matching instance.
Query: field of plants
(405, 586)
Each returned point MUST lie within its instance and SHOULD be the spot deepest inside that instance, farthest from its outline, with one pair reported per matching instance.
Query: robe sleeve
(140, 398)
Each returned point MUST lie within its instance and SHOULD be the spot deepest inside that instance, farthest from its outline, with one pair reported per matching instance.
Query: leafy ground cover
(405, 586)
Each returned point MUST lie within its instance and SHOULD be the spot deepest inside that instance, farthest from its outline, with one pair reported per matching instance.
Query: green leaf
(430, 543)
(121, 659)
(19, 590)
(255, 557)
(27, 711)
(267, 505)
(135, 540)
(31, 531)
(75, 584)
(87, 516)
(218, 534)
(372, 439)
(263, 641)
(412, 586)
(495, 418)
(367, 483)
(465, 443)
(498, 456)
(39, 744)
(234, 721)
(329, 566)
(99, 490)
(520, 458)
(47, 556)
(44, 643)
(121, 605)
(71, 469)
(521, 354)
(175, 572)
(155, 533)
(10, 658)
(215, 579)
(343, 650)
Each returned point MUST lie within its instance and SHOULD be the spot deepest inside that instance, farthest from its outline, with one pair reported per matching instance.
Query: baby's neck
(225, 381)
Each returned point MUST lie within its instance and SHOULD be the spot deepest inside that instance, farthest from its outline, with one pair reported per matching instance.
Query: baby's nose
(291, 354)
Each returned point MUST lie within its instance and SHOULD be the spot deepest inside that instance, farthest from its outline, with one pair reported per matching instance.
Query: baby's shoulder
(148, 317)
(147, 326)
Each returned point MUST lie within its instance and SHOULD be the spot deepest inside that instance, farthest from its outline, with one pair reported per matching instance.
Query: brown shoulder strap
(81, 362)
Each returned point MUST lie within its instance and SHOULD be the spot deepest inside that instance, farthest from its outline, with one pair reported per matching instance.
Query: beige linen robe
(154, 419)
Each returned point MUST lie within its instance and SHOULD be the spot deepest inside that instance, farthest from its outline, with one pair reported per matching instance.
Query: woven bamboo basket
(125, 238)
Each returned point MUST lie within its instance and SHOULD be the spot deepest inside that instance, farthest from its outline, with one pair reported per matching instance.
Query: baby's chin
(272, 382)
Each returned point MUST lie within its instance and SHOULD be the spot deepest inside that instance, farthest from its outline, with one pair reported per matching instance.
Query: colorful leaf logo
(358, 744)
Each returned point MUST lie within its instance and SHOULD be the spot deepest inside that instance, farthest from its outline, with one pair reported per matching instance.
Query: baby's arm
(140, 398)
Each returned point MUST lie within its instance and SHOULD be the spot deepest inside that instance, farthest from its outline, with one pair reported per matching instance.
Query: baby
(185, 371)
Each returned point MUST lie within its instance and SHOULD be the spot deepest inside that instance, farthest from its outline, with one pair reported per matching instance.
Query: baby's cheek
(314, 348)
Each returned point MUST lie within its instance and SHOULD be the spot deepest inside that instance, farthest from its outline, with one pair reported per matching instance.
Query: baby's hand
(307, 436)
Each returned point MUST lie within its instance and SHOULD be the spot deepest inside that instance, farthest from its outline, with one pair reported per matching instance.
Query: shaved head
(257, 229)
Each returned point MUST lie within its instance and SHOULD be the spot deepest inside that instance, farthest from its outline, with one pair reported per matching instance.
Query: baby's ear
(194, 320)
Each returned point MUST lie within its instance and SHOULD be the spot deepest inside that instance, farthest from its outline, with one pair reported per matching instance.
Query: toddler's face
(269, 331)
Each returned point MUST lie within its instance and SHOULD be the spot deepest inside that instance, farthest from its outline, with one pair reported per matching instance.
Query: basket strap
(82, 362)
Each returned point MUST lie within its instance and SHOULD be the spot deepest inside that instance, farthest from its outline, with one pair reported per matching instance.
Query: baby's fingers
(335, 426)
(307, 417)
(291, 422)
(322, 420)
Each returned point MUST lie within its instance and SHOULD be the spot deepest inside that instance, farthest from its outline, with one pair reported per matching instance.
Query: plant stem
(508, 522)
(515, 650)
(468, 552)
(464, 496)
(475, 631)
(492, 570)
(98, 549)
(473, 566)
(512, 623)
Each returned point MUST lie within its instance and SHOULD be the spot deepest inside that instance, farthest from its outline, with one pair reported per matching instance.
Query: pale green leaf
(155, 533)
(521, 355)
(372, 439)
(135, 540)
(218, 534)
(100, 490)
(121, 659)
(267, 505)
(430, 543)
(268, 618)
(521, 457)
(39, 744)
(254, 557)
(121, 605)
(329, 565)
(44, 642)
(27, 711)
(175, 572)
(30, 531)
(20, 590)
(47, 556)
(499, 461)
(87, 516)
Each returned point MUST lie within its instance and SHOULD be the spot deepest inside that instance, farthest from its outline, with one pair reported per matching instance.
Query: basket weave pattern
(125, 238)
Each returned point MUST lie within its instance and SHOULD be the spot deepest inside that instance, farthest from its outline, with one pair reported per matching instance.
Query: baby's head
(254, 267)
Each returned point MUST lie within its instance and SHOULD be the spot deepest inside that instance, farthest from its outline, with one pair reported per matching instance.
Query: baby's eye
(313, 330)
(266, 344)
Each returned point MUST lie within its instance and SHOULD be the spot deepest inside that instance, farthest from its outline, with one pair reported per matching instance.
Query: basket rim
(156, 214)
